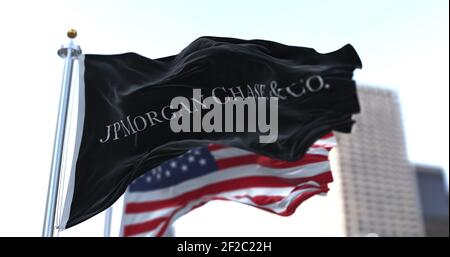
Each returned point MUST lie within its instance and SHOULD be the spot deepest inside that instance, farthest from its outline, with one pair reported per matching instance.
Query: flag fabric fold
(124, 116)
(155, 200)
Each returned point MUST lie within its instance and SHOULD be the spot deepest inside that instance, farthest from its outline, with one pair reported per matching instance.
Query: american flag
(160, 196)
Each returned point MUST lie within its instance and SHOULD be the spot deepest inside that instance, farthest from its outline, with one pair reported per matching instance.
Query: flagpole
(108, 220)
(69, 52)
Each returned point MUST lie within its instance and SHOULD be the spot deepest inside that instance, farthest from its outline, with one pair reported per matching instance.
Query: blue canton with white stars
(194, 163)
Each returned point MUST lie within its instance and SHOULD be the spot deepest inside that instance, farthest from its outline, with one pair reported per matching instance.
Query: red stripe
(261, 199)
(268, 162)
(326, 147)
(215, 147)
(139, 228)
(223, 186)
(327, 135)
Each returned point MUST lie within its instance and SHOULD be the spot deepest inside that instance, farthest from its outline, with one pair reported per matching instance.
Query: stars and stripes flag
(162, 195)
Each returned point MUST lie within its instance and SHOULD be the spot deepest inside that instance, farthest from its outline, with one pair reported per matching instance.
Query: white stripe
(78, 136)
(307, 170)
(229, 152)
(170, 231)
(327, 142)
(133, 218)
(318, 151)
(151, 233)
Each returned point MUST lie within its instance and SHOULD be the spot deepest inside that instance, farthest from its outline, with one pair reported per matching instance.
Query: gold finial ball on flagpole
(72, 33)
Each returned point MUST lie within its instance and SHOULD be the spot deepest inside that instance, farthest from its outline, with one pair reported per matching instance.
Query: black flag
(125, 113)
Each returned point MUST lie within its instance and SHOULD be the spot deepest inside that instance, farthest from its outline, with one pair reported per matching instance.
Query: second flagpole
(108, 221)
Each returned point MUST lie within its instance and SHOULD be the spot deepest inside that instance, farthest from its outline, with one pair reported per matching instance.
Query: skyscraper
(374, 179)
(434, 200)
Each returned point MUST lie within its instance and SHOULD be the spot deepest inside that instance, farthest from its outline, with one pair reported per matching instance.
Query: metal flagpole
(108, 220)
(69, 52)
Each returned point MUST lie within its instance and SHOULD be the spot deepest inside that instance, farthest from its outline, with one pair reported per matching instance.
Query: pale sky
(403, 46)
